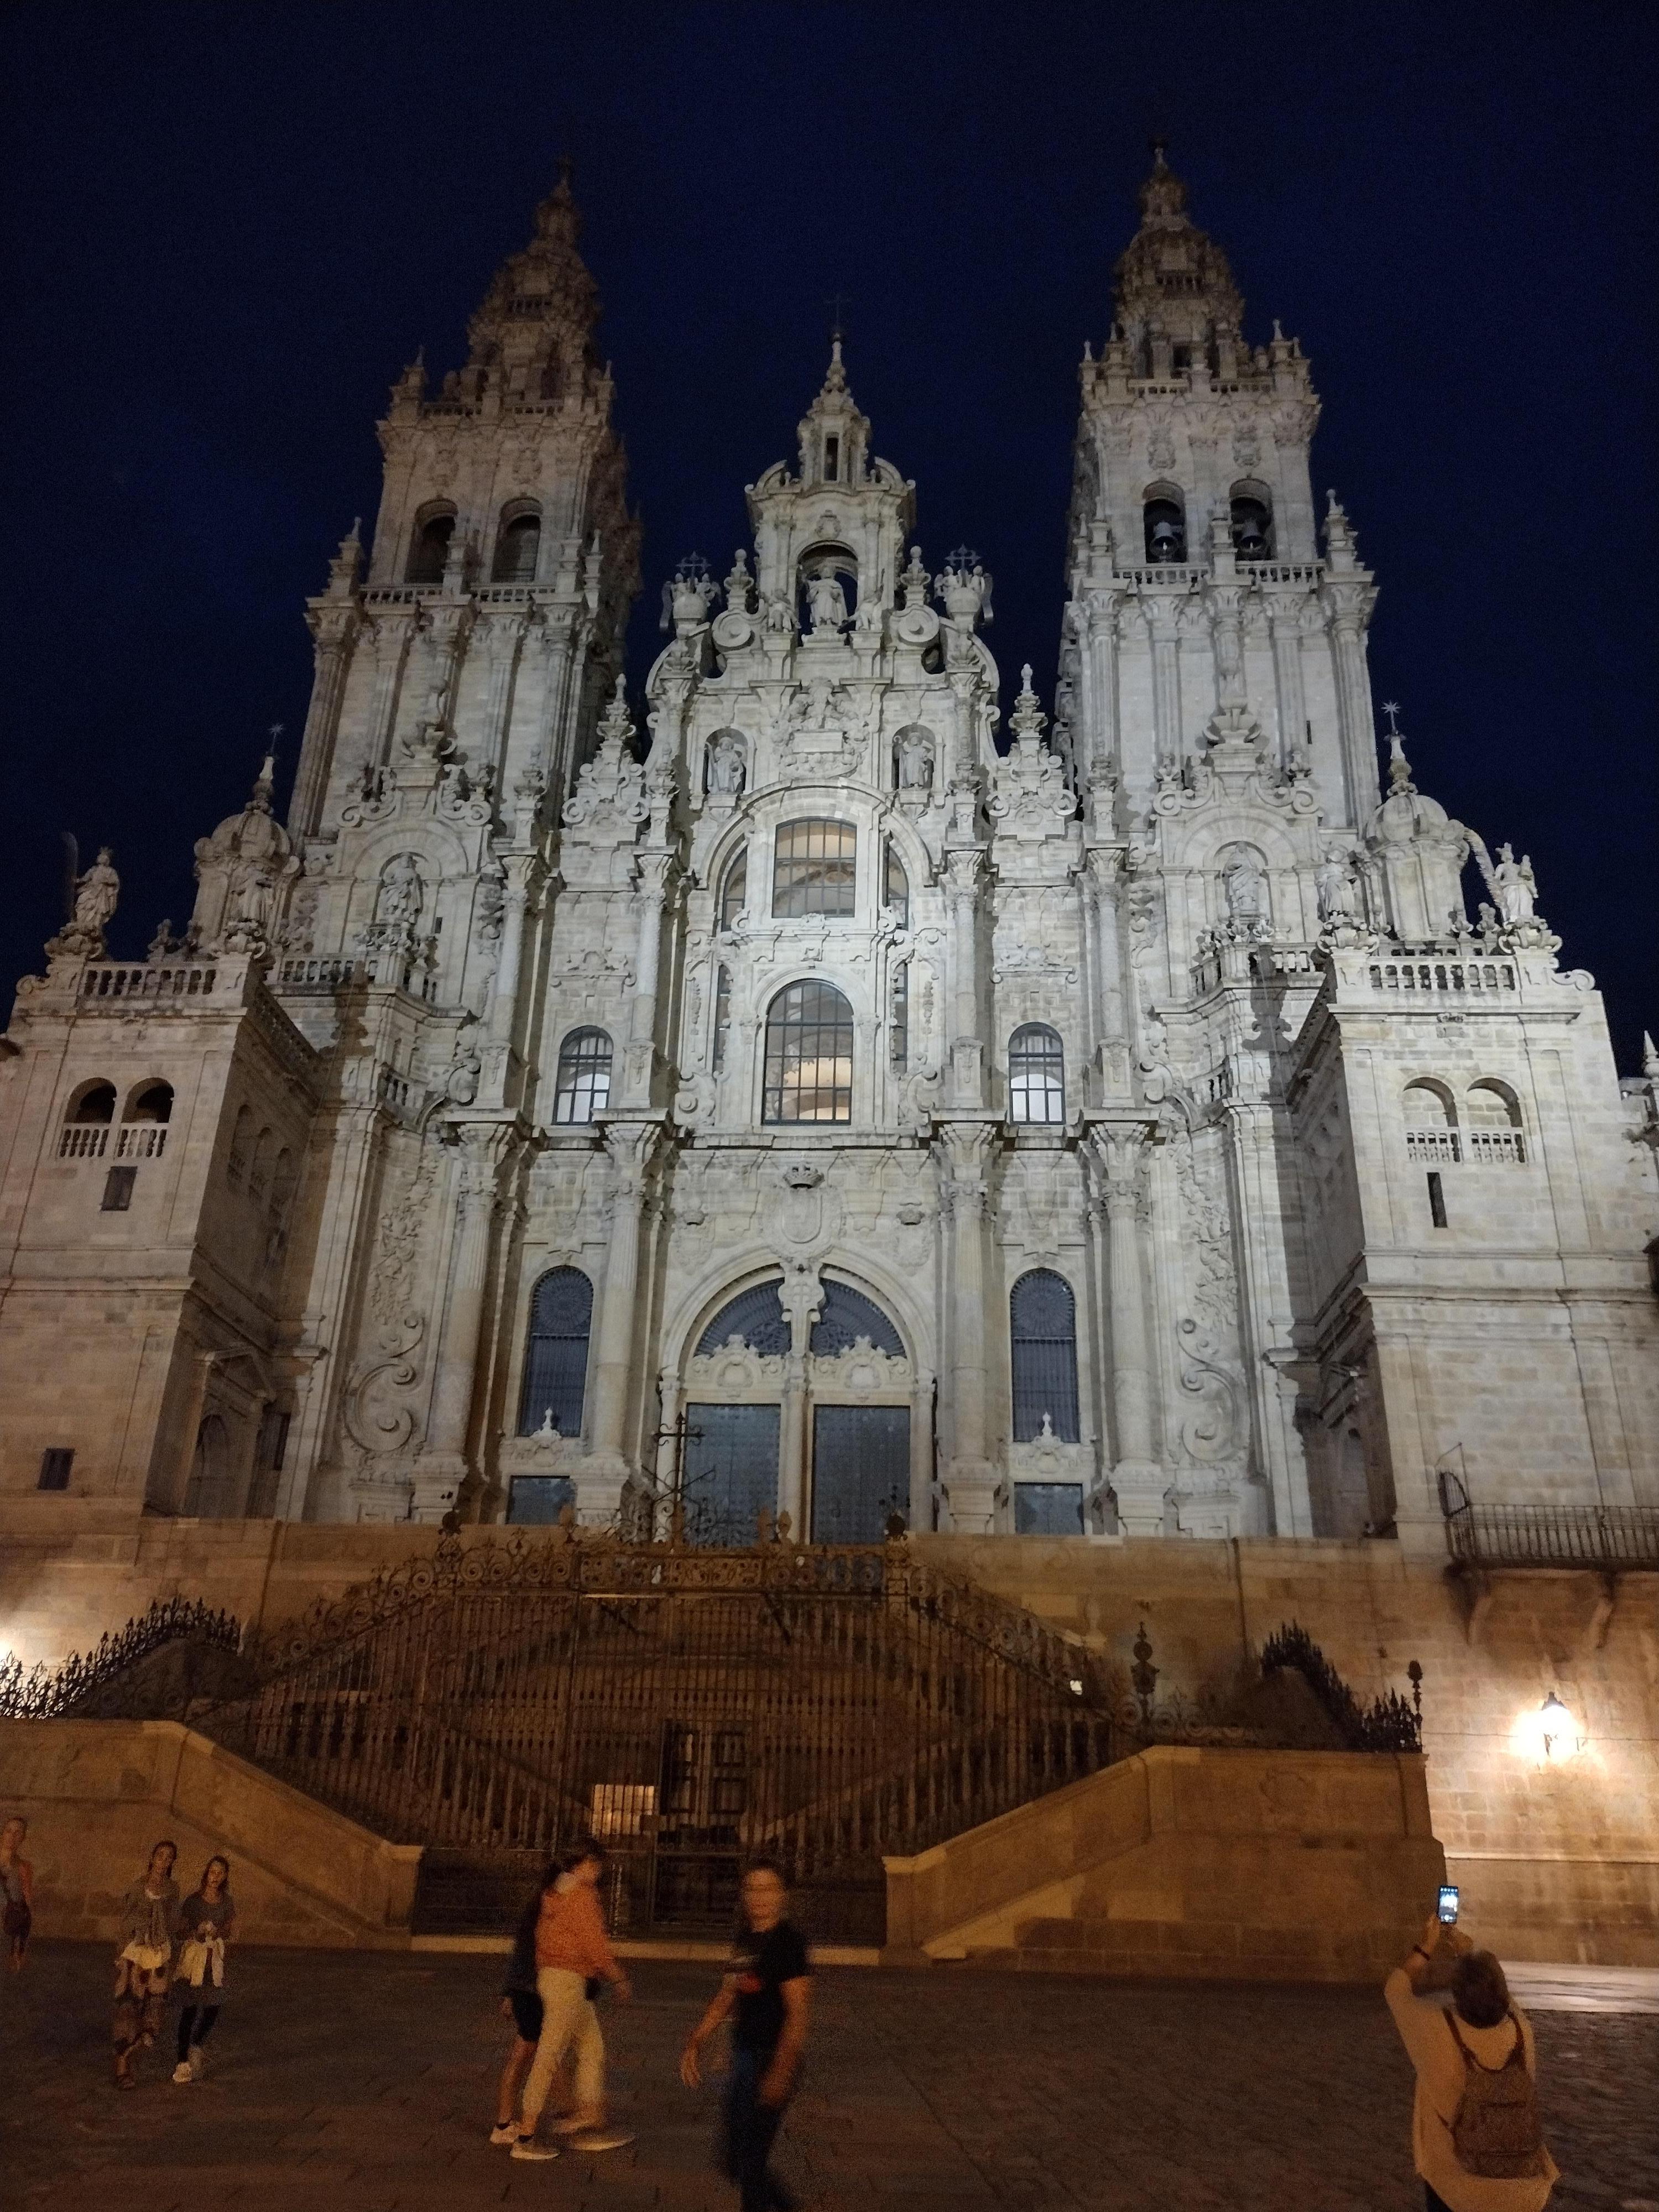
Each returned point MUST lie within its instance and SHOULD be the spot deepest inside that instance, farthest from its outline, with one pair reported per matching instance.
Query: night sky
(230, 227)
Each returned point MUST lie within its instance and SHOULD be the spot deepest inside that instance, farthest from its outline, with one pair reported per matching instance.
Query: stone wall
(1557, 1858)
(1212, 1865)
(99, 1794)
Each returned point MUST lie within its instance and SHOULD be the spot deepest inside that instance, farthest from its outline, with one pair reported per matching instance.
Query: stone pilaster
(602, 1475)
(1139, 1482)
(963, 1157)
(485, 1149)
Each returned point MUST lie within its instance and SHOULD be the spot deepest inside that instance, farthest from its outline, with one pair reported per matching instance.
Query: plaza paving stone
(351, 2083)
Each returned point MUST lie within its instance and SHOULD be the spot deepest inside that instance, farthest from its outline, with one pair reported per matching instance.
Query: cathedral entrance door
(860, 1471)
(731, 1471)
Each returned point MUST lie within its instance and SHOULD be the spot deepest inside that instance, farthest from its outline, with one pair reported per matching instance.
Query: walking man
(765, 1995)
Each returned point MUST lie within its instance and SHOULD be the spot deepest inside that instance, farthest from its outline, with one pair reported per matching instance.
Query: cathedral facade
(794, 1090)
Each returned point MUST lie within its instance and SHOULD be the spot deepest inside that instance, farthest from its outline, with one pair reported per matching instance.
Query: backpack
(1495, 2131)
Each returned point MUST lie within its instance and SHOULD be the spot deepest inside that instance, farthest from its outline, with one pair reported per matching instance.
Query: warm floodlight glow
(1550, 1734)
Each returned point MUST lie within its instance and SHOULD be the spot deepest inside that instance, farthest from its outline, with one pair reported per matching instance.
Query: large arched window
(555, 1355)
(813, 868)
(734, 890)
(808, 1055)
(895, 887)
(847, 1315)
(583, 1087)
(518, 547)
(94, 1103)
(85, 1133)
(755, 1315)
(430, 550)
(1043, 1316)
(1252, 514)
(1431, 1117)
(1165, 515)
(1036, 1074)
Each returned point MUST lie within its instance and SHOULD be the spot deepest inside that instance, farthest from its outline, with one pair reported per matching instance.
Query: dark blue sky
(228, 229)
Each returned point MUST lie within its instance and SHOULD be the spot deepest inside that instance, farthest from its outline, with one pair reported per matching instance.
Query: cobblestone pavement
(345, 2083)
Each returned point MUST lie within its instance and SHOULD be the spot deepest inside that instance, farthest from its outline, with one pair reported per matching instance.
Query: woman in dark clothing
(765, 1995)
(520, 2002)
(207, 1921)
(144, 1938)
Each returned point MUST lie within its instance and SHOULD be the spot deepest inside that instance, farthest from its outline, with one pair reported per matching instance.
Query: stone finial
(1650, 1056)
(1400, 769)
(1026, 719)
(617, 724)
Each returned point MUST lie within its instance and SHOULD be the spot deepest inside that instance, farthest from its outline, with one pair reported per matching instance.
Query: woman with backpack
(1475, 2135)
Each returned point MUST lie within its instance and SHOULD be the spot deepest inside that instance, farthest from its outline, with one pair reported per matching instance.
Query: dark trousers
(195, 2026)
(748, 2131)
(1432, 2200)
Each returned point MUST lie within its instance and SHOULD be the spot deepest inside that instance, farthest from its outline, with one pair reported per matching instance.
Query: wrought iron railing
(827, 1704)
(47, 1693)
(1619, 1539)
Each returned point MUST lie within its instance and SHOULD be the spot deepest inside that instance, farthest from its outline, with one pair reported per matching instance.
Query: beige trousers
(568, 2018)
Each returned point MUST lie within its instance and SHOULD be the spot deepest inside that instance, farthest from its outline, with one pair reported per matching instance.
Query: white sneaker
(182, 2075)
(598, 2139)
(527, 2147)
(198, 2062)
(503, 2134)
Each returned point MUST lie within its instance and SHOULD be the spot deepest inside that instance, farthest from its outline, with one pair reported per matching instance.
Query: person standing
(17, 1888)
(523, 2006)
(765, 1995)
(1476, 2136)
(573, 1958)
(144, 1933)
(207, 1920)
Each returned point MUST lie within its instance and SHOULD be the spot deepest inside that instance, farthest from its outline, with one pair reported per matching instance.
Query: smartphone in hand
(1446, 1911)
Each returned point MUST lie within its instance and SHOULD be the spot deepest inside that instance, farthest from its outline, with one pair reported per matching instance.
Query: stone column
(1104, 873)
(1353, 699)
(1137, 1478)
(971, 1481)
(1102, 663)
(526, 876)
(334, 632)
(640, 1059)
(965, 1076)
(802, 1295)
(505, 633)
(1286, 619)
(1163, 626)
(601, 1475)
(443, 1466)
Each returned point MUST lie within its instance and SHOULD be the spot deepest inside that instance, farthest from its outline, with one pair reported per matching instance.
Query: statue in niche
(915, 759)
(1335, 889)
(1513, 881)
(727, 766)
(402, 893)
(826, 602)
(1246, 888)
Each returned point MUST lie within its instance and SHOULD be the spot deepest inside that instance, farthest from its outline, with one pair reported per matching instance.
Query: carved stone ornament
(609, 799)
(95, 896)
(1030, 799)
(860, 1372)
(735, 1370)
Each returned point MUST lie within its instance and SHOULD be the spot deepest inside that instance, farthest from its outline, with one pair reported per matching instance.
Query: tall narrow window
(1036, 1074)
(899, 1039)
(555, 1355)
(517, 549)
(55, 1464)
(1042, 1313)
(734, 890)
(427, 555)
(117, 1190)
(813, 868)
(722, 1015)
(1165, 523)
(895, 887)
(1436, 1198)
(832, 458)
(583, 1087)
(808, 1055)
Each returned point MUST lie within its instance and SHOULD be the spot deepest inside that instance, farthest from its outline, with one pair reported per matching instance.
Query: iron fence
(1619, 1541)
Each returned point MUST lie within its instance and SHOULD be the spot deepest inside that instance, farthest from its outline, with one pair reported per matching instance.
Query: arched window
(734, 890)
(1164, 514)
(259, 1175)
(583, 1087)
(895, 887)
(1252, 512)
(813, 868)
(1431, 1115)
(241, 1138)
(808, 1055)
(208, 1493)
(430, 550)
(1036, 1074)
(517, 548)
(756, 1316)
(556, 1353)
(151, 1102)
(722, 1015)
(899, 1034)
(1493, 1115)
(1042, 1313)
(96, 1103)
(847, 1315)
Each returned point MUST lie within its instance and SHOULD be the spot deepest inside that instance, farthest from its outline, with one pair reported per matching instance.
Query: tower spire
(1174, 284)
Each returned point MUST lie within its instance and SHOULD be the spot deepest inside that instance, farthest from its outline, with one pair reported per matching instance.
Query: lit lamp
(1556, 1731)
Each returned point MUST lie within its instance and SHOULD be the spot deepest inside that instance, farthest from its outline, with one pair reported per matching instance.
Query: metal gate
(860, 1471)
(691, 1707)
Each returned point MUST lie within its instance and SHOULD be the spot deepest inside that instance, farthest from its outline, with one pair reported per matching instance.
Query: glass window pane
(808, 1055)
(734, 890)
(1043, 1316)
(584, 1081)
(556, 1356)
(895, 891)
(1036, 1075)
(813, 868)
(1048, 1509)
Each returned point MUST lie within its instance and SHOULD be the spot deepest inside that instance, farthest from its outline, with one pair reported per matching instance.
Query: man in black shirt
(764, 1994)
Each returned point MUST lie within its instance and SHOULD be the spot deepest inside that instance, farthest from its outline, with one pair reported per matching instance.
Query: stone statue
(915, 759)
(98, 890)
(1335, 889)
(826, 602)
(1513, 881)
(461, 1084)
(402, 893)
(1246, 887)
(726, 767)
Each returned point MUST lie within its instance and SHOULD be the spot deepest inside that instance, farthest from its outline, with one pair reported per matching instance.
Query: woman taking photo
(573, 1958)
(206, 1923)
(144, 1940)
(764, 1994)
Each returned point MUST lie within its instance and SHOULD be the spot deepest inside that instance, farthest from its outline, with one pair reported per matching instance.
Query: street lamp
(1556, 1730)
